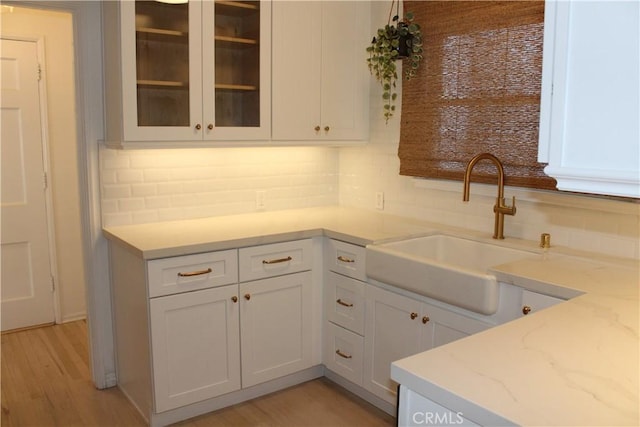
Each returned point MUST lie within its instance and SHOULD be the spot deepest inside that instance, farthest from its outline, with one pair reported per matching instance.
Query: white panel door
(195, 345)
(345, 82)
(296, 67)
(275, 325)
(392, 331)
(26, 291)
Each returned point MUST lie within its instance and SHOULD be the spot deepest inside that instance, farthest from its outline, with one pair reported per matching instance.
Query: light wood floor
(46, 382)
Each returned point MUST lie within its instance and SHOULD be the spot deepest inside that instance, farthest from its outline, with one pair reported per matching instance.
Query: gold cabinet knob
(326, 128)
(210, 126)
(526, 310)
(247, 296)
(317, 128)
(198, 126)
(234, 298)
(425, 319)
(413, 315)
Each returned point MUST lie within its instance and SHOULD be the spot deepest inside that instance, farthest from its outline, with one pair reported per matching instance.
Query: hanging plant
(396, 40)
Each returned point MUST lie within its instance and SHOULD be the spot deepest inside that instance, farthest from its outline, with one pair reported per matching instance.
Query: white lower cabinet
(195, 345)
(398, 326)
(197, 337)
(344, 302)
(533, 302)
(344, 352)
(393, 331)
(276, 327)
(191, 330)
(416, 410)
(344, 305)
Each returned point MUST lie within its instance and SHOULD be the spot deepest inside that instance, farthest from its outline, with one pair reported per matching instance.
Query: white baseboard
(361, 392)
(74, 316)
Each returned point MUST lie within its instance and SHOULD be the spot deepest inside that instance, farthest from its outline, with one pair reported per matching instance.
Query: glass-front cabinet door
(236, 65)
(195, 70)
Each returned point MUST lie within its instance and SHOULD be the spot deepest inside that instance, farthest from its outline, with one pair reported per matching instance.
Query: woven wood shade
(477, 90)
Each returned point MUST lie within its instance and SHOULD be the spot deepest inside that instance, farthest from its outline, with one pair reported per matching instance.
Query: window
(478, 90)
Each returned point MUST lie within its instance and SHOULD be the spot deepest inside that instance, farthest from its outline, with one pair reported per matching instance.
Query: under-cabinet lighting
(173, 1)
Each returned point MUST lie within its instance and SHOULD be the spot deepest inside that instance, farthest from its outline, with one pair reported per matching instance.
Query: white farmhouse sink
(446, 268)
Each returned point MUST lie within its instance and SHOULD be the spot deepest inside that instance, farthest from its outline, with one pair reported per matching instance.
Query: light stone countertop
(576, 363)
(175, 238)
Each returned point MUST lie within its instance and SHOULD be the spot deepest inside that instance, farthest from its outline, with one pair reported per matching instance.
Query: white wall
(153, 185)
(56, 28)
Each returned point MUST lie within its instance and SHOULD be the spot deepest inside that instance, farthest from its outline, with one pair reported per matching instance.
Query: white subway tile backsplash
(142, 190)
(113, 219)
(157, 202)
(111, 192)
(129, 176)
(140, 186)
(131, 205)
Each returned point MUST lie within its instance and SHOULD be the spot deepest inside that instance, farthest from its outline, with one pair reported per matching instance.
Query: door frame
(46, 166)
(87, 37)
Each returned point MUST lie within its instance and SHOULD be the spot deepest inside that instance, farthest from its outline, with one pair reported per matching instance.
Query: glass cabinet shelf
(236, 8)
(235, 41)
(223, 86)
(161, 32)
(163, 83)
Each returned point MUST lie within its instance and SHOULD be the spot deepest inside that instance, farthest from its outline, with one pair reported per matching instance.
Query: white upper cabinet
(320, 78)
(590, 106)
(191, 72)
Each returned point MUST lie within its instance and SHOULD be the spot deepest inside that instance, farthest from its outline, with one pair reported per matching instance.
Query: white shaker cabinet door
(196, 346)
(590, 97)
(392, 331)
(276, 324)
(320, 78)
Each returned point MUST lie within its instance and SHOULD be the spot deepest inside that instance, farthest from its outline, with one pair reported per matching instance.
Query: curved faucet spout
(500, 208)
(470, 166)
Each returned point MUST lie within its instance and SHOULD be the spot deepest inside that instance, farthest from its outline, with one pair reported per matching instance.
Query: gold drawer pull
(341, 354)
(526, 310)
(345, 259)
(346, 304)
(276, 261)
(195, 273)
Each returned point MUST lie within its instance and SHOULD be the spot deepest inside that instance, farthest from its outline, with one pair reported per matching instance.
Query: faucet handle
(512, 208)
(502, 208)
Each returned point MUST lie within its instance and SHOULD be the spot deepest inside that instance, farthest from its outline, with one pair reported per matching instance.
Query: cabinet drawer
(258, 262)
(343, 353)
(191, 272)
(344, 304)
(346, 258)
